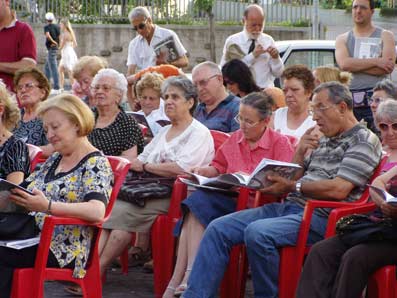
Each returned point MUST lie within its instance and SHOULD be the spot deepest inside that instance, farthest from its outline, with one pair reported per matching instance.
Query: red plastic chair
(163, 240)
(35, 154)
(29, 282)
(291, 257)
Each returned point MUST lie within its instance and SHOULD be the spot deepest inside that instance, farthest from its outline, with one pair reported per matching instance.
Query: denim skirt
(206, 205)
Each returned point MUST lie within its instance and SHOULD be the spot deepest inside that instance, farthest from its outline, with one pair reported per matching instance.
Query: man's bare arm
(12, 67)
(181, 62)
(375, 66)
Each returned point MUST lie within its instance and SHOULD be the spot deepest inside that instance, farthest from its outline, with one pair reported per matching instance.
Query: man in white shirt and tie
(256, 48)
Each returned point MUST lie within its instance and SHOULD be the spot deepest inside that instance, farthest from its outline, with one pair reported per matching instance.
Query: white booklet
(19, 244)
(389, 198)
(257, 179)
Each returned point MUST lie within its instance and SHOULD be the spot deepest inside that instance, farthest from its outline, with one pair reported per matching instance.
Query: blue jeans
(263, 230)
(51, 67)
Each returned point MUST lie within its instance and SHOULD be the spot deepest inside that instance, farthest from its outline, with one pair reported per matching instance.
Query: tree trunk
(212, 36)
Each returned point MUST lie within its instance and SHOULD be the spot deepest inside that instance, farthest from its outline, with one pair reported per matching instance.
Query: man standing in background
(52, 33)
(255, 48)
(17, 46)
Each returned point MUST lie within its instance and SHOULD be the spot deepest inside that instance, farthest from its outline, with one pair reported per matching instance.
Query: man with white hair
(255, 48)
(52, 33)
(19, 50)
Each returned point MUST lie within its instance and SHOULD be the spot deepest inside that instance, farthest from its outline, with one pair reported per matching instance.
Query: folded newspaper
(257, 180)
(389, 198)
(19, 244)
(167, 49)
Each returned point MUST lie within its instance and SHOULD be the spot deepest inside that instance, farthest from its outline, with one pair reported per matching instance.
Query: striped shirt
(352, 156)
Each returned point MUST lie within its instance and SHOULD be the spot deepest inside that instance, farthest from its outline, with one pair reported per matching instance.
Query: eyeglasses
(204, 83)
(140, 26)
(385, 126)
(376, 100)
(27, 86)
(362, 7)
(320, 109)
(105, 88)
(247, 123)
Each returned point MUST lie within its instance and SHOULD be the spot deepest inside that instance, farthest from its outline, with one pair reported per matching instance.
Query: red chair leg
(124, 256)
(382, 284)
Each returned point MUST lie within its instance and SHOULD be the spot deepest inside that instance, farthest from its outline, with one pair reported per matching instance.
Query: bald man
(256, 48)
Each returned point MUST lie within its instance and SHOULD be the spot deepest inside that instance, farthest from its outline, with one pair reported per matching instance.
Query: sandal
(74, 290)
(138, 257)
(179, 290)
(148, 267)
(169, 288)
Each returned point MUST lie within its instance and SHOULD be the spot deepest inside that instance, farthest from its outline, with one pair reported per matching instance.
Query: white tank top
(280, 124)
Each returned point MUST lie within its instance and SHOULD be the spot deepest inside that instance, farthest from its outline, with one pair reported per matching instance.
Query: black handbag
(139, 187)
(17, 226)
(361, 228)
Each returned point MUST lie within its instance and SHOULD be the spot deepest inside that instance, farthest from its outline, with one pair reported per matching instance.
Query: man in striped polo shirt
(336, 167)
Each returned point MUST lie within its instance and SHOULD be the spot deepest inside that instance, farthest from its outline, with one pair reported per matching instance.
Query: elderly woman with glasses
(339, 269)
(115, 133)
(32, 88)
(240, 153)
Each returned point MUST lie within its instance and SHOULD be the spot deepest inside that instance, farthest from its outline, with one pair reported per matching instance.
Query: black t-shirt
(54, 31)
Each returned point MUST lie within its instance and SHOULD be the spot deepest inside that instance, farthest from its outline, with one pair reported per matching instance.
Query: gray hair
(386, 111)
(387, 86)
(259, 101)
(211, 65)
(183, 84)
(121, 81)
(337, 93)
(137, 12)
(253, 7)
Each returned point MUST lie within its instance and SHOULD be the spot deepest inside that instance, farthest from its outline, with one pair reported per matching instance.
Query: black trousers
(334, 270)
(11, 259)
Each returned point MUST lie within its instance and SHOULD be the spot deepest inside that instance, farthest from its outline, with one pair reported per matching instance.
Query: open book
(384, 194)
(167, 49)
(257, 180)
(6, 186)
(19, 244)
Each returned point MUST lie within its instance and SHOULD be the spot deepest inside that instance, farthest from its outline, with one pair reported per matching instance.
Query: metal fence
(183, 11)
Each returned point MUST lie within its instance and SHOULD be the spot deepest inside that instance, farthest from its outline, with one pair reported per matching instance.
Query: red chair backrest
(35, 154)
(219, 138)
(120, 167)
(144, 129)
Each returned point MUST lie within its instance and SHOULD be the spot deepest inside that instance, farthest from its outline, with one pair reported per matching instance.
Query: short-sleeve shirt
(14, 157)
(194, 147)
(54, 31)
(222, 117)
(142, 54)
(31, 132)
(90, 179)
(236, 154)
(122, 134)
(20, 44)
(352, 156)
(281, 123)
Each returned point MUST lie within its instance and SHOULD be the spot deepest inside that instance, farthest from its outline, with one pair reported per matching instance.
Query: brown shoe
(138, 257)
(148, 267)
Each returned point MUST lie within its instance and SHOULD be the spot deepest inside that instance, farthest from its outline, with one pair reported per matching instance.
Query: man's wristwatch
(298, 187)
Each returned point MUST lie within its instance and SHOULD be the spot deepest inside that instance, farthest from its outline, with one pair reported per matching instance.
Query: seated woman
(383, 90)
(178, 147)
(241, 152)
(238, 78)
(148, 89)
(32, 88)
(324, 74)
(84, 71)
(67, 121)
(295, 119)
(335, 269)
(115, 133)
(14, 155)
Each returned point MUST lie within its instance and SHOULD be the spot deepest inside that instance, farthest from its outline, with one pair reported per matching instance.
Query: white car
(312, 53)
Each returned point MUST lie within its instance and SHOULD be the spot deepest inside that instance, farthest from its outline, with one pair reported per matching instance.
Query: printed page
(367, 47)
(19, 244)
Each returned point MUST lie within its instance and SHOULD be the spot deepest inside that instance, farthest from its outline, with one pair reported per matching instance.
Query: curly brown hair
(301, 73)
(11, 113)
(37, 75)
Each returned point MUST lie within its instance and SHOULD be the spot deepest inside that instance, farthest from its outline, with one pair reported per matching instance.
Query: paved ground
(134, 285)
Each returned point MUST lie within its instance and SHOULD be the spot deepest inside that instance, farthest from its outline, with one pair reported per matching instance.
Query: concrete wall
(111, 41)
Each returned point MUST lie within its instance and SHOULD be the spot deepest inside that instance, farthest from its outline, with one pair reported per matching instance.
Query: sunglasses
(385, 127)
(140, 26)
